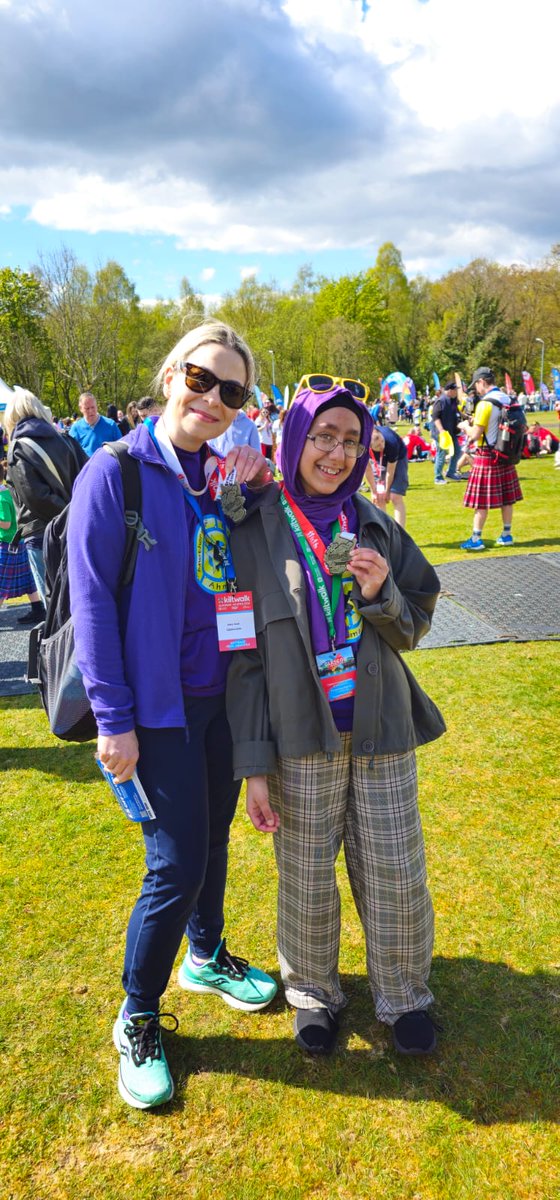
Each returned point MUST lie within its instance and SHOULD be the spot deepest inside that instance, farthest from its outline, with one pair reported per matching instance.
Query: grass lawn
(252, 1117)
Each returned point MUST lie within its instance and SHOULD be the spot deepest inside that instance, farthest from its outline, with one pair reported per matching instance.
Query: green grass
(251, 1117)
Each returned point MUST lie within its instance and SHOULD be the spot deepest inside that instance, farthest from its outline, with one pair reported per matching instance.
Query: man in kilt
(491, 483)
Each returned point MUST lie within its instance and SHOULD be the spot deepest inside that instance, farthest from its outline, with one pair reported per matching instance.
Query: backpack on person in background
(52, 663)
(512, 431)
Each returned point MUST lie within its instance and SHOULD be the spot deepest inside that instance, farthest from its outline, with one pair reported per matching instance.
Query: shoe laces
(144, 1035)
(230, 964)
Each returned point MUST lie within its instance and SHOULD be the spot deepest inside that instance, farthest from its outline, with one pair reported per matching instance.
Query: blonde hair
(24, 404)
(210, 332)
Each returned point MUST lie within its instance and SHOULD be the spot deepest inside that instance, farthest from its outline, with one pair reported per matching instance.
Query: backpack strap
(42, 453)
(136, 531)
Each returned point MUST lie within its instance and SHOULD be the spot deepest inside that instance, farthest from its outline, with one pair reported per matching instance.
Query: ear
(167, 380)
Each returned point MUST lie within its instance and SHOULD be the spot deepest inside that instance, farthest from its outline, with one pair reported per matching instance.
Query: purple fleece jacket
(135, 680)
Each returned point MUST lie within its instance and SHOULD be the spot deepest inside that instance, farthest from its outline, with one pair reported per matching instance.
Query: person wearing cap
(326, 716)
(445, 419)
(491, 484)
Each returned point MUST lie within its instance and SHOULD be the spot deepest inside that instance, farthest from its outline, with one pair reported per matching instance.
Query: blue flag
(436, 379)
(556, 380)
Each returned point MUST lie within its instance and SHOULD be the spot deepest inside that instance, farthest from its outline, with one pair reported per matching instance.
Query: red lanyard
(377, 465)
(310, 533)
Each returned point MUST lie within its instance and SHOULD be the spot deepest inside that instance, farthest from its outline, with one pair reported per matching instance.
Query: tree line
(65, 330)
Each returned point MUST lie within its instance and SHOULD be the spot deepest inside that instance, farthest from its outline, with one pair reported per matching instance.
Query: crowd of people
(314, 706)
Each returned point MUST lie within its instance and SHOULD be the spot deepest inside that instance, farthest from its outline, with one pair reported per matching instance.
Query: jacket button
(368, 746)
(372, 668)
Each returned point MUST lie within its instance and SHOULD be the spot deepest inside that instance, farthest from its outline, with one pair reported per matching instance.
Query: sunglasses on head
(324, 383)
(200, 379)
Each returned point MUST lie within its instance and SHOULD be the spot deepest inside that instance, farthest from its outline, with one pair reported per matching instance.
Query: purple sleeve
(96, 543)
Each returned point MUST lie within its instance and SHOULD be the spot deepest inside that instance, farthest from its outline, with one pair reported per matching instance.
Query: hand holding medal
(370, 570)
(251, 467)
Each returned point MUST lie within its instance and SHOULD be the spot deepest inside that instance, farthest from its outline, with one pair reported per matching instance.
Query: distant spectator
(42, 466)
(242, 432)
(114, 414)
(416, 446)
(92, 429)
(264, 425)
(16, 578)
(548, 443)
(148, 407)
(132, 414)
(387, 472)
(445, 420)
(491, 484)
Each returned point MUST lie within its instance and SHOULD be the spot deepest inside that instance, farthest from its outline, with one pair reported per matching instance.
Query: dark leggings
(189, 781)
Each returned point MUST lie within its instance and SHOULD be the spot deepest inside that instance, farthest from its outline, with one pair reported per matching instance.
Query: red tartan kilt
(491, 485)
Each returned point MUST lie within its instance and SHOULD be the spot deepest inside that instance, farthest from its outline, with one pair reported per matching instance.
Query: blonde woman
(159, 700)
(43, 463)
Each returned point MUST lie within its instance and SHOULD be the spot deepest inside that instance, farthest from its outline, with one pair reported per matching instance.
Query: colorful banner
(545, 393)
(556, 380)
(408, 389)
(385, 392)
(436, 380)
(508, 383)
(277, 395)
(528, 383)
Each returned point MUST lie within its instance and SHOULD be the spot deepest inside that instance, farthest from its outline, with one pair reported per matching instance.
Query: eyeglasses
(328, 443)
(324, 383)
(200, 379)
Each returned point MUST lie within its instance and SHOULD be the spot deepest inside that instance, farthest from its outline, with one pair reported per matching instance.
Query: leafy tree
(23, 341)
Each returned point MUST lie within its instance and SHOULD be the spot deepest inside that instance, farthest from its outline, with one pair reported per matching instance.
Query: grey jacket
(276, 705)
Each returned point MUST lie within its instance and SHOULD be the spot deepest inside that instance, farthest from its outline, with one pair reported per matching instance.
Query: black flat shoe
(31, 618)
(315, 1030)
(415, 1033)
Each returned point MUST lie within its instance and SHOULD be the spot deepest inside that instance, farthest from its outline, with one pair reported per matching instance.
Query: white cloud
(322, 129)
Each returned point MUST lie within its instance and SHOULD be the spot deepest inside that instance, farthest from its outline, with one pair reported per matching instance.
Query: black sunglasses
(200, 379)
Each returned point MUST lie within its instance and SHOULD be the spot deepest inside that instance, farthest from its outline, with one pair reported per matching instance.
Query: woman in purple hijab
(326, 716)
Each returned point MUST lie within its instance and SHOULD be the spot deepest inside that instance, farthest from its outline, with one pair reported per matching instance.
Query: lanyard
(377, 464)
(314, 548)
(222, 556)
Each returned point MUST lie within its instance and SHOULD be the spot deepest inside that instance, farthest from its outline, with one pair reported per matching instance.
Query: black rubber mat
(497, 600)
(14, 642)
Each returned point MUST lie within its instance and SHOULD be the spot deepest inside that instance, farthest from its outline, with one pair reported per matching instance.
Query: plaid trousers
(372, 807)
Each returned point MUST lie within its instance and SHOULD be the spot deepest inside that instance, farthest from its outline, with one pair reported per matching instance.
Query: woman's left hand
(251, 466)
(370, 570)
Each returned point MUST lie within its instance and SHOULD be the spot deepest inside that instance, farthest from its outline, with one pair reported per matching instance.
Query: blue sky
(225, 139)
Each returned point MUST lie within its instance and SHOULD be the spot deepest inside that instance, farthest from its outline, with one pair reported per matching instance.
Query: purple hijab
(322, 511)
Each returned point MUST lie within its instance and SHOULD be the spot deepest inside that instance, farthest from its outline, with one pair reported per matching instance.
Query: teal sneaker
(240, 985)
(473, 544)
(505, 539)
(144, 1077)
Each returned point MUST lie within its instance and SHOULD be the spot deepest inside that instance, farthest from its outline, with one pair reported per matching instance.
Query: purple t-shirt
(203, 666)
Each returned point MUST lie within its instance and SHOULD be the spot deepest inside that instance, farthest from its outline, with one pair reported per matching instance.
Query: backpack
(52, 664)
(512, 429)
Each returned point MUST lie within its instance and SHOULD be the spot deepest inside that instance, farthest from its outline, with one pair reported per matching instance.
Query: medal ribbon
(314, 549)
